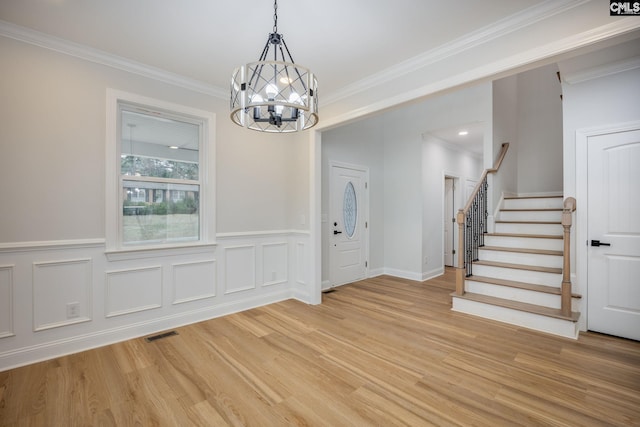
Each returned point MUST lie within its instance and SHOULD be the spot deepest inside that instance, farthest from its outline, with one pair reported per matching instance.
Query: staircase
(518, 275)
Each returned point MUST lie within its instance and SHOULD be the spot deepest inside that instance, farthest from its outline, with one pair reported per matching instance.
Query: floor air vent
(160, 336)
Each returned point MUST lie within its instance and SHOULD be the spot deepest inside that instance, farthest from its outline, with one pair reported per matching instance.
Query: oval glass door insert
(350, 209)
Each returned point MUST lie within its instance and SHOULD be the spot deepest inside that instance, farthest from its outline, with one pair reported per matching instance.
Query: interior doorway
(449, 220)
(451, 204)
(612, 231)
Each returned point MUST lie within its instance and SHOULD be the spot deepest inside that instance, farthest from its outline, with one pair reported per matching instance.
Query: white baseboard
(432, 274)
(375, 272)
(410, 275)
(37, 353)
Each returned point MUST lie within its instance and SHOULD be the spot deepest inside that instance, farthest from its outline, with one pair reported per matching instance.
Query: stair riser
(530, 216)
(564, 328)
(554, 261)
(519, 228)
(534, 203)
(526, 276)
(516, 294)
(524, 242)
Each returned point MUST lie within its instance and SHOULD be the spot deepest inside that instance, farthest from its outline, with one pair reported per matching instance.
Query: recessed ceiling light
(174, 147)
(463, 133)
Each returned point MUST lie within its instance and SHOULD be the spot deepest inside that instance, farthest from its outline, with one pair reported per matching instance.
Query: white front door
(348, 224)
(613, 209)
(449, 189)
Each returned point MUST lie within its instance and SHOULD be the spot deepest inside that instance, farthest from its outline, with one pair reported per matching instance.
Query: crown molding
(471, 40)
(602, 71)
(521, 59)
(77, 50)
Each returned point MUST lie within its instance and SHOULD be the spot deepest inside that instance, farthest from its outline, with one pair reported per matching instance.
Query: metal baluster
(468, 239)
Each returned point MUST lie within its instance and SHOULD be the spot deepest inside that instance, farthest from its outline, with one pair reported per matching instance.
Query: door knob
(337, 232)
(599, 243)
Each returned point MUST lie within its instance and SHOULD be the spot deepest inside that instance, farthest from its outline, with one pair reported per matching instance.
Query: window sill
(159, 251)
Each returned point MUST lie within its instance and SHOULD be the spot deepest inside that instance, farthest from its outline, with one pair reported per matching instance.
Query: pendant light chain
(275, 16)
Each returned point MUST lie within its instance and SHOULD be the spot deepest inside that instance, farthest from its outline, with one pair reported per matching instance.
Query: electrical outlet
(73, 310)
(426, 260)
(274, 276)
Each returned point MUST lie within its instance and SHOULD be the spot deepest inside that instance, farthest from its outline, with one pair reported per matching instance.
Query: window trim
(113, 218)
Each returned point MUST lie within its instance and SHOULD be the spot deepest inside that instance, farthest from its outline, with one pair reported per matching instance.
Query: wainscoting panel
(6, 301)
(133, 290)
(240, 268)
(275, 263)
(194, 281)
(301, 263)
(61, 293)
(62, 297)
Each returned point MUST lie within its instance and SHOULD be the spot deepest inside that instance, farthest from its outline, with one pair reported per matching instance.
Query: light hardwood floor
(382, 351)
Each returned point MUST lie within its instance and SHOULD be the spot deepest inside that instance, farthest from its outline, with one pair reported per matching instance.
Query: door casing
(580, 235)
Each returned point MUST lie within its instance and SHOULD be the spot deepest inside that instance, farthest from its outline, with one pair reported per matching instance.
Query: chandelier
(274, 95)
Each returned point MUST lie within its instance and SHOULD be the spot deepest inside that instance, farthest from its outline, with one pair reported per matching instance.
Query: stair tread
(502, 221)
(520, 266)
(522, 250)
(532, 210)
(536, 236)
(521, 285)
(532, 197)
(521, 306)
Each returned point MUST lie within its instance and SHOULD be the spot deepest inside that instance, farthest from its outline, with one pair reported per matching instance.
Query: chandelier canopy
(274, 95)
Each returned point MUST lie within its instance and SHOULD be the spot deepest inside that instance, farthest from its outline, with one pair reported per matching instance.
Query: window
(158, 157)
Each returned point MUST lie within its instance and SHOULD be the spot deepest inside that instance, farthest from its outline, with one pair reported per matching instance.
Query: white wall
(505, 129)
(439, 160)
(597, 91)
(403, 191)
(262, 179)
(472, 104)
(53, 109)
(52, 210)
(527, 113)
(406, 177)
(539, 118)
(359, 143)
(600, 89)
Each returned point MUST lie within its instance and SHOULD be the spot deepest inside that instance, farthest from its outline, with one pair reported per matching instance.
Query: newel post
(567, 211)
(460, 270)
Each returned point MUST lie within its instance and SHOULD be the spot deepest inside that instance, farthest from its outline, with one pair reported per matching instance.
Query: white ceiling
(472, 141)
(342, 42)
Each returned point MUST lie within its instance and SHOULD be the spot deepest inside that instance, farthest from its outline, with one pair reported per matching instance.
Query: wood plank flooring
(380, 352)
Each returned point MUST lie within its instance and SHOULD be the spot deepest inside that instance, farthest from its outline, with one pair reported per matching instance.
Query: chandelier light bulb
(274, 95)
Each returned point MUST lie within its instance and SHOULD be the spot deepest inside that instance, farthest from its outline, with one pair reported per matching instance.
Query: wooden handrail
(503, 152)
(569, 207)
(461, 218)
